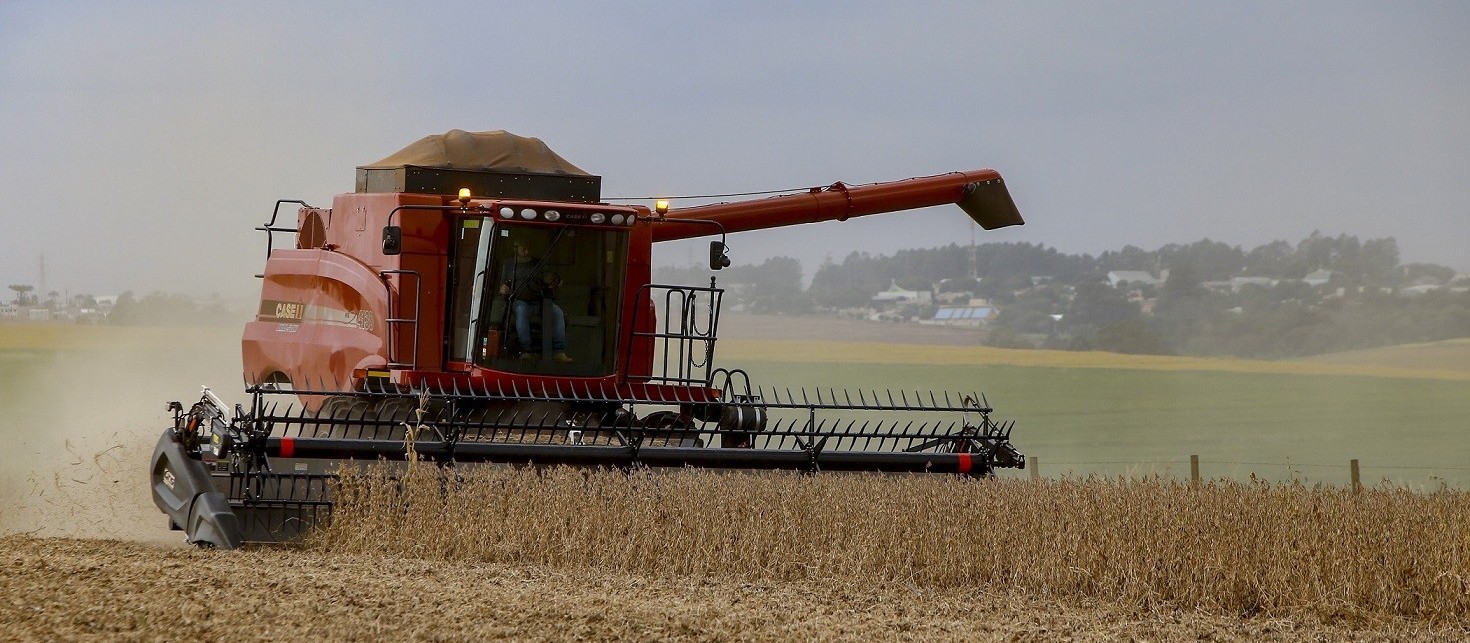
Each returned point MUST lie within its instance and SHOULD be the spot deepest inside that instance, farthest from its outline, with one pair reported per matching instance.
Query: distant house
(896, 295)
(1132, 278)
(9, 311)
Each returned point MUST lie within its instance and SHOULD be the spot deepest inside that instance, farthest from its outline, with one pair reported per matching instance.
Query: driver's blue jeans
(552, 321)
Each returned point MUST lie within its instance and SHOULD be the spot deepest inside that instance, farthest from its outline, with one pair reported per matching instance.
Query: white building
(1318, 277)
(896, 295)
(1133, 278)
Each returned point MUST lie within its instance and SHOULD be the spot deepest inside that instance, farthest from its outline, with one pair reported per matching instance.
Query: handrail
(270, 226)
(392, 322)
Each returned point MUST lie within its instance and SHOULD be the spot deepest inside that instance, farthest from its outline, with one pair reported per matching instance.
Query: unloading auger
(474, 301)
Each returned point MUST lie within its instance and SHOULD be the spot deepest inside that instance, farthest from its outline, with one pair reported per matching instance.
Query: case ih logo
(282, 310)
(291, 312)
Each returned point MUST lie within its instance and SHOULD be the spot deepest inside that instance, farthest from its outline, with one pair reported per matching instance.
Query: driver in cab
(528, 286)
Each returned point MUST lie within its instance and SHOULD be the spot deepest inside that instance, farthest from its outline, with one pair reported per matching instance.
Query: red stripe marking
(288, 446)
(964, 463)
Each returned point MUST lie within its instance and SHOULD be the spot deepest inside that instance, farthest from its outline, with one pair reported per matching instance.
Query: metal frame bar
(393, 322)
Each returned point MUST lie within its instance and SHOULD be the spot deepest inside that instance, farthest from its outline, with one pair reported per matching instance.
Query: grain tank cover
(490, 164)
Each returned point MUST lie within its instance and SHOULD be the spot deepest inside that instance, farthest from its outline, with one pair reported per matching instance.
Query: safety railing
(684, 339)
(270, 227)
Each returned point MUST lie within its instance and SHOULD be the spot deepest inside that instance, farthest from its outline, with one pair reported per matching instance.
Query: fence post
(1194, 470)
(1035, 466)
(1357, 486)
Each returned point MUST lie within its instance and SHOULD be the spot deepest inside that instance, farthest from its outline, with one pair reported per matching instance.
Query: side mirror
(717, 257)
(392, 240)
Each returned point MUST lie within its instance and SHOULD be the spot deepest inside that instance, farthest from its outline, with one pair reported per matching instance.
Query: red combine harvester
(474, 300)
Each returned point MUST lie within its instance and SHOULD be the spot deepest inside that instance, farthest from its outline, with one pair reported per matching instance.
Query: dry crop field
(503, 553)
(1221, 547)
(566, 554)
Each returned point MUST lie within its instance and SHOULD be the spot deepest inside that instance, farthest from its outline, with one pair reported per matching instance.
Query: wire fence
(1201, 469)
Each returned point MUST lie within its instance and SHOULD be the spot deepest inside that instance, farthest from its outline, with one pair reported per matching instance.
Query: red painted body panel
(340, 277)
(342, 305)
(640, 270)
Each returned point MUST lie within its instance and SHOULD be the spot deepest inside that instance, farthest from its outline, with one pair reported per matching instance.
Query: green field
(1139, 421)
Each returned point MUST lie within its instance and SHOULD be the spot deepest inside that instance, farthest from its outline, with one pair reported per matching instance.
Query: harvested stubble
(1229, 547)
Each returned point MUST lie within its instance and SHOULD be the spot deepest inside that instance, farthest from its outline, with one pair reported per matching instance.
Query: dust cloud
(80, 423)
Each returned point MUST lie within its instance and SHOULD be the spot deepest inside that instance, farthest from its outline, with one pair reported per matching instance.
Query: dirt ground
(54, 589)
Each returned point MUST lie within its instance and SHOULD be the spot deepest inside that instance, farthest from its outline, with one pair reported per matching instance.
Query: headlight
(617, 219)
(528, 214)
(506, 213)
(552, 215)
(598, 217)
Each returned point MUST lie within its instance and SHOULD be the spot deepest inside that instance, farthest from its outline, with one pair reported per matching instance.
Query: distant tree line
(1051, 299)
(771, 287)
(127, 309)
(170, 309)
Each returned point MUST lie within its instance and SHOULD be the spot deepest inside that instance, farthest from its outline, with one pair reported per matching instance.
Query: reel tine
(850, 434)
(301, 421)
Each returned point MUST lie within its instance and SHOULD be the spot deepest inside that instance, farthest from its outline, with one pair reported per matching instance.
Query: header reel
(270, 467)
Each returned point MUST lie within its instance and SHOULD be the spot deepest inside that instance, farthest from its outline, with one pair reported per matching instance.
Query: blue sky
(140, 143)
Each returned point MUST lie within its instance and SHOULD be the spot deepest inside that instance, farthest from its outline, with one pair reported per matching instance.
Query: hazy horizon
(143, 142)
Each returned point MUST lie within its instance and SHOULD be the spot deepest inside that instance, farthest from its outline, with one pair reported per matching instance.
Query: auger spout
(981, 194)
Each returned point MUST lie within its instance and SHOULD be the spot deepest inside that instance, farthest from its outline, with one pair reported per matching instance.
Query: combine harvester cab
(475, 301)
